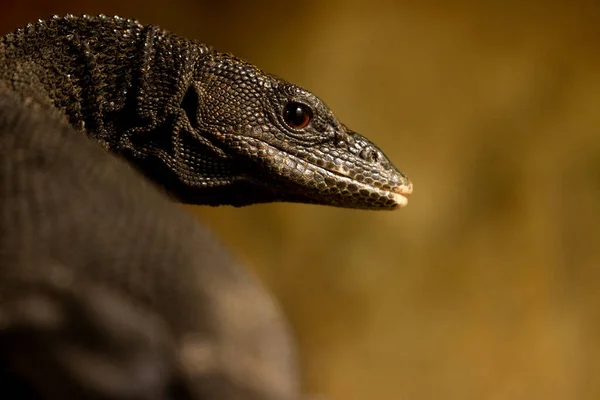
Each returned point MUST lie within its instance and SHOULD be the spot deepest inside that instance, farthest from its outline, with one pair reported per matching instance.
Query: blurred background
(487, 286)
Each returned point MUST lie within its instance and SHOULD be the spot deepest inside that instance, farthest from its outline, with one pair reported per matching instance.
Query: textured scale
(206, 125)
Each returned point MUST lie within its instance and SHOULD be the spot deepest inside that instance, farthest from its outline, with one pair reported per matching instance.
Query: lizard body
(110, 291)
(210, 127)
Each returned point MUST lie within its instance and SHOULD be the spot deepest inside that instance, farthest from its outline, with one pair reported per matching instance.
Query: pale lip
(401, 194)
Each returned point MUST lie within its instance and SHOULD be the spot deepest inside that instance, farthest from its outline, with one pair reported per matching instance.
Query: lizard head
(262, 139)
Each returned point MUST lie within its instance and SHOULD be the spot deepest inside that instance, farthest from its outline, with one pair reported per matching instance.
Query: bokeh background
(487, 286)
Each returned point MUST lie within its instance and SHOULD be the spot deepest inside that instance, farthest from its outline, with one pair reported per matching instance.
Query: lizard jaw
(312, 183)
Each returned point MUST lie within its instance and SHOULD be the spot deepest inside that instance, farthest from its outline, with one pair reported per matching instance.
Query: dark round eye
(297, 115)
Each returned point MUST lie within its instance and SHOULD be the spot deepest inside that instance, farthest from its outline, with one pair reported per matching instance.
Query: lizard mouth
(336, 186)
(401, 194)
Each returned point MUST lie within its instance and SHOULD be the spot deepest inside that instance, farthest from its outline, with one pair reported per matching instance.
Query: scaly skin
(110, 291)
(209, 127)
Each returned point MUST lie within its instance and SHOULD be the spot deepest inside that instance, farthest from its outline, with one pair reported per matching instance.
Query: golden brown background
(487, 285)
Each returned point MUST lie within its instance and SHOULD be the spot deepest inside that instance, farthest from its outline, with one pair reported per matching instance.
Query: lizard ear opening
(190, 104)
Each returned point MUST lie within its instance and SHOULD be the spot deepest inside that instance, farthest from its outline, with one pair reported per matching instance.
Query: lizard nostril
(369, 154)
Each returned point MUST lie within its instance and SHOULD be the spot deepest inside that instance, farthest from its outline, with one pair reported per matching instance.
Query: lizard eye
(297, 115)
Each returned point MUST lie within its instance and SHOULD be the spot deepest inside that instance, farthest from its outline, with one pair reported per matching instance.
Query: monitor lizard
(108, 290)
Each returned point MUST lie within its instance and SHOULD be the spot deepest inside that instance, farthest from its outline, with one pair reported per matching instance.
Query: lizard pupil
(297, 115)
